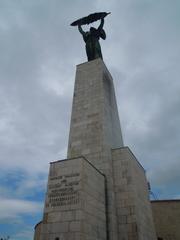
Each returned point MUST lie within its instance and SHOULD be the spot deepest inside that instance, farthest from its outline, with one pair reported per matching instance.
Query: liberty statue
(91, 37)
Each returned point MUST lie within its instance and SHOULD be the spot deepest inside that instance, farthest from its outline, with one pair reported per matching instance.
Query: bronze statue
(91, 38)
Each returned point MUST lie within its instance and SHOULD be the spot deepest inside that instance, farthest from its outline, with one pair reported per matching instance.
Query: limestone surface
(75, 203)
(166, 214)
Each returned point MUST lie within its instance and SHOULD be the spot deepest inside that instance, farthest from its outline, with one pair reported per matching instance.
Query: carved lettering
(63, 190)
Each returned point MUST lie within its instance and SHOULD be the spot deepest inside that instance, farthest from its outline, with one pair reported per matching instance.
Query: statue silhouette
(91, 38)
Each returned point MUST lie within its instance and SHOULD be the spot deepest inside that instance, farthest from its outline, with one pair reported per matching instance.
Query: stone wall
(132, 198)
(75, 202)
(166, 214)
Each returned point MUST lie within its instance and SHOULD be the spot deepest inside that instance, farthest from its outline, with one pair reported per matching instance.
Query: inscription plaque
(63, 190)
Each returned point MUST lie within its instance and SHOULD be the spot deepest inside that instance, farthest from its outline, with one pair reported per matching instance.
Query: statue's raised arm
(101, 24)
(81, 30)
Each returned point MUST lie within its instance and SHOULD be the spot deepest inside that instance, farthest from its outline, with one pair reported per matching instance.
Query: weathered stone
(132, 197)
(166, 214)
(105, 197)
(74, 198)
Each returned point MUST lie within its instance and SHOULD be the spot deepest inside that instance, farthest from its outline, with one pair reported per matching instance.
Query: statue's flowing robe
(93, 48)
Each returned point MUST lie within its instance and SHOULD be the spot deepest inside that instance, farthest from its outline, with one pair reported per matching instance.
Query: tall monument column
(95, 126)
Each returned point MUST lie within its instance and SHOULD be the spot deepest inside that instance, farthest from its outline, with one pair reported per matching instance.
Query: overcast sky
(39, 52)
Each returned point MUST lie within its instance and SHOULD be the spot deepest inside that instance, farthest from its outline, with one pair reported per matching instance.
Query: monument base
(133, 206)
(75, 202)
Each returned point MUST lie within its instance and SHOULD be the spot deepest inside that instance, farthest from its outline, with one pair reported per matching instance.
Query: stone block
(75, 194)
(132, 200)
(166, 215)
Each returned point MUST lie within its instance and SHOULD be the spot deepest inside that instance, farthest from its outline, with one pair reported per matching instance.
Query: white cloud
(55, 77)
(12, 209)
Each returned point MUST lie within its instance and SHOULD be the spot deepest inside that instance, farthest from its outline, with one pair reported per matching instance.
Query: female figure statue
(91, 38)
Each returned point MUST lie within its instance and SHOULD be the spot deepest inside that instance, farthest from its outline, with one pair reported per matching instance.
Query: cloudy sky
(39, 52)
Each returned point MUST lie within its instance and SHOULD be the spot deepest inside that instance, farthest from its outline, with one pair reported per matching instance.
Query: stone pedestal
(75, 202)
(95, 126)
(106, 197)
